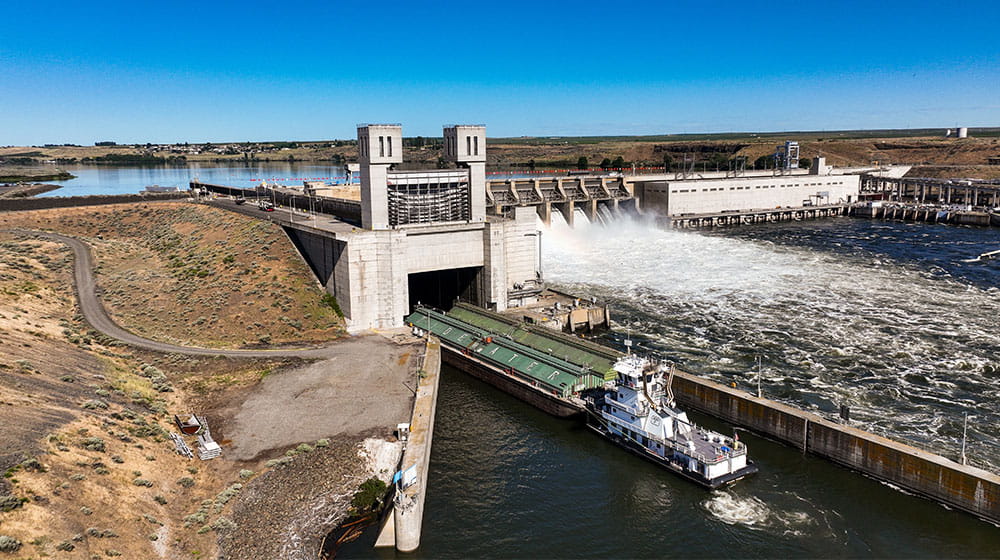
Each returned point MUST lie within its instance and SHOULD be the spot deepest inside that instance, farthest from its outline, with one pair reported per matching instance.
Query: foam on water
(909, 347)
(751, 512)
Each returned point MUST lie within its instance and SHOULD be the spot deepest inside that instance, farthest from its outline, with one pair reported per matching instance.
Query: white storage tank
(963, 132)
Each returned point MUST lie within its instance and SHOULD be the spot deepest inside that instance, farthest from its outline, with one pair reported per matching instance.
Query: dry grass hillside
(88, 469)
(191, 274)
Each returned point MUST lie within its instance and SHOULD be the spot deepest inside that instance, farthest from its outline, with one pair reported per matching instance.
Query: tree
(531, 164)
(605, 163)
(805, 163)
(764, 162)
(582, 163)
(668, 162)
(618, 163)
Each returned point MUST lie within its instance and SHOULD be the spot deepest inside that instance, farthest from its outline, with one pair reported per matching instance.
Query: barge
(540, 378)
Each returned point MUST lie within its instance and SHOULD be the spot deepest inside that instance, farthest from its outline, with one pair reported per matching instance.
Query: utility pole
(965, 433)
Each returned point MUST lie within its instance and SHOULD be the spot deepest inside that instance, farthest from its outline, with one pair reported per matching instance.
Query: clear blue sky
(138, 71)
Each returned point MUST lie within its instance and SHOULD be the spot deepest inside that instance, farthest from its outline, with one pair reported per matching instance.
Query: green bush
(185, 481)
(369, 495)
(331, 302)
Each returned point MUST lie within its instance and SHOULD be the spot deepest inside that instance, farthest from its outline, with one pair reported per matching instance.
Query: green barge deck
(492, 343)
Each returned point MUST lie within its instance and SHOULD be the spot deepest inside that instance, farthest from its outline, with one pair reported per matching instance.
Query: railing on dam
(345, 209)
(974, 193)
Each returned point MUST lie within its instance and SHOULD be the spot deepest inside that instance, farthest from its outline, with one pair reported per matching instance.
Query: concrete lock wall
(967, 488)
(522, 241)
(442, 250)
(716, 195)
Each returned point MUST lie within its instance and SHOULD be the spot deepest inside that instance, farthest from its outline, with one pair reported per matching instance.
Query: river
(882, 316)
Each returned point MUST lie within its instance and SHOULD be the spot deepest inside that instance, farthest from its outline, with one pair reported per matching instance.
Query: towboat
(637, 411)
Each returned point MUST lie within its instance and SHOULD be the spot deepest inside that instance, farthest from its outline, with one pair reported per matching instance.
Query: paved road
(95, 313)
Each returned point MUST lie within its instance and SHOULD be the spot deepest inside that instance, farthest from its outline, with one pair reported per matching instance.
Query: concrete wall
(494, 266)
(408, 509)
(967, 488)
(442, 250)
(716, 195)
(521, 238)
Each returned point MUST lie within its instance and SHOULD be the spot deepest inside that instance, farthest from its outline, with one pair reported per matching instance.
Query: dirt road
(97, 316)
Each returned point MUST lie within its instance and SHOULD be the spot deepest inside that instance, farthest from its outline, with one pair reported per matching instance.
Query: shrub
(369, 494)
(9, 544)
(160, 500)
(93, 404)
(304, 448)
(65, 546)
(323, 443)
(185, 481)
(142, 482)
(10, 503)
(94, 444)
(332, 303)
(279, 462)
(223, 524)
(245, 474)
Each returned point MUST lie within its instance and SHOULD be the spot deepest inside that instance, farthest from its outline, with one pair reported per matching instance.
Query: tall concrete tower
(379, 146)
(465, 144)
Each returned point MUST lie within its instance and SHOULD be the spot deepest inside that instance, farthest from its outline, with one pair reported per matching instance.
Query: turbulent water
(884, 317)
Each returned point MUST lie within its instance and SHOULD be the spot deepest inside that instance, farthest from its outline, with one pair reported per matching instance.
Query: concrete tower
(379, 146)
(465, 144)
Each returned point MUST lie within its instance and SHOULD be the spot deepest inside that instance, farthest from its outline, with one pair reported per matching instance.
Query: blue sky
(133, 71)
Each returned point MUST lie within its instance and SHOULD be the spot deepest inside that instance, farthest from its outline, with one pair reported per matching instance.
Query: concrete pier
(408, 514)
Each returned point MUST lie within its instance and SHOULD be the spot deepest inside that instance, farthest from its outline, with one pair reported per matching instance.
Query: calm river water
(885, 317)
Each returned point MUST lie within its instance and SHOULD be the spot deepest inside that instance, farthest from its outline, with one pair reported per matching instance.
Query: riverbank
(25, 191)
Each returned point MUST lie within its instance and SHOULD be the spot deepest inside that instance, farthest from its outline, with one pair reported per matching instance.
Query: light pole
(758, 376)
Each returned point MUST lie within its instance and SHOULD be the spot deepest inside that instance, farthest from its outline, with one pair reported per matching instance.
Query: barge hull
(496, 377)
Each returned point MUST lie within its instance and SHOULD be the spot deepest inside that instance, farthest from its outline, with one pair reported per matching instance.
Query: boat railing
(736, 450)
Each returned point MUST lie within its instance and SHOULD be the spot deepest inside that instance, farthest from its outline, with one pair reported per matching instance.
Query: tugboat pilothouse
(638, 412)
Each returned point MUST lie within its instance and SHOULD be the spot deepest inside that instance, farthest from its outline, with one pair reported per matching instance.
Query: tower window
(475, 144)
(468, 145)
(381, 146)
(389, 141)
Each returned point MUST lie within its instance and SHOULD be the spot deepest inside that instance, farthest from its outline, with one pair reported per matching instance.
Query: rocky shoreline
(287, 511)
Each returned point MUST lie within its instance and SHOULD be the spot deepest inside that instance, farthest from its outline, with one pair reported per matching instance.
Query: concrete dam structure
(423, 237)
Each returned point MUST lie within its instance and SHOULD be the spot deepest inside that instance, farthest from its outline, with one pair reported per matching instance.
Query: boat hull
(671, 466)
(552, 404)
